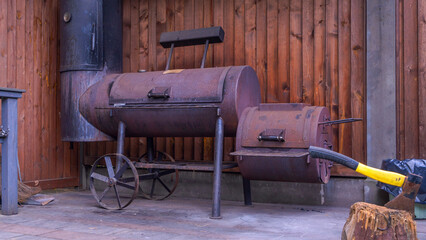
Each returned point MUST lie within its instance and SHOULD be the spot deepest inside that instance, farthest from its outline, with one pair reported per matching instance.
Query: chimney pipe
(90, 48)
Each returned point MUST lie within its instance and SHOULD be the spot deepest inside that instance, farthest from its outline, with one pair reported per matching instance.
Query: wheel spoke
(164, 185)
(152, 187)
(109, 166)
(122, 170)
(117, 196)
(103, 193)
(99, 177)
(166, 172)
(125, 185)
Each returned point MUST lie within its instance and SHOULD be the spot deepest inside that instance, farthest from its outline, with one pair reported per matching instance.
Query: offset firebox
(273, 141)
(100, 103)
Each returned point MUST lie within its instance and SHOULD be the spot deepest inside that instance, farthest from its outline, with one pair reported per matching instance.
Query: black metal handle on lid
(272, 135)
(159, 92)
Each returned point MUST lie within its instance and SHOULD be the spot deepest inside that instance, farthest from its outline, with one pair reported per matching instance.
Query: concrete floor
(74, 215)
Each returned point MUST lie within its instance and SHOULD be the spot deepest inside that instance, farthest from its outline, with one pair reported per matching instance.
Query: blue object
(9, 159)
(415, 166)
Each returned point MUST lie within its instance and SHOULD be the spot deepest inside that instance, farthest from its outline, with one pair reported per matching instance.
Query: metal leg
(120, 143)
(9, 170)
(83, 177)
(218, 158)
(169, 59)
(150, 149)
(206, 47)
(247, 192)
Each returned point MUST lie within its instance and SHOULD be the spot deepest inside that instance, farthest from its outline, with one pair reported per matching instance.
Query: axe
(410, 184)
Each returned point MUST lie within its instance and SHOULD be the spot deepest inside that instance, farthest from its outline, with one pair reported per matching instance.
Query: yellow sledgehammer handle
(391, 178)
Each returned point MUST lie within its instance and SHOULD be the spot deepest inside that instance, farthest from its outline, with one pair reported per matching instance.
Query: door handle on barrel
(273, 135)
(159, 92)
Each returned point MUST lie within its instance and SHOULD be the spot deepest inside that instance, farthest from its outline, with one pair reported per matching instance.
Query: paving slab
(76, 215)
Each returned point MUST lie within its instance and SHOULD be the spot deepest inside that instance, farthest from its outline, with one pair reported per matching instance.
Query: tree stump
(369, 221)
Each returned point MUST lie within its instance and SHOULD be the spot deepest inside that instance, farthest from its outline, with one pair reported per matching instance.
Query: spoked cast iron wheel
(114, 188)
(167, 179)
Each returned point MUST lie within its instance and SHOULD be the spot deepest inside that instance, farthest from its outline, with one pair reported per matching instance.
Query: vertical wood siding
(310, 51)
(411, 78)
(29, 60)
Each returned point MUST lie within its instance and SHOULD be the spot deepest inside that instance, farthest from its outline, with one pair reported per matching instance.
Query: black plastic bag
(416, 166)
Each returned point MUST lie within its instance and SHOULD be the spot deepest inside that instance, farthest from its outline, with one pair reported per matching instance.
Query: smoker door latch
(272, 135)
(159, 92)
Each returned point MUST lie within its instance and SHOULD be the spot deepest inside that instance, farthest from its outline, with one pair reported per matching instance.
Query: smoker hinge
(119, 104)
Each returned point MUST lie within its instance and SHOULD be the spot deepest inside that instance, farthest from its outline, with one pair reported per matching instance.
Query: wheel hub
(112, 181)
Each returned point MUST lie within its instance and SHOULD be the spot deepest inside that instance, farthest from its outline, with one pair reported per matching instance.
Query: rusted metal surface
(85, 28)
(405, 200)
(185, 102)
(73, 126)
(273, 139)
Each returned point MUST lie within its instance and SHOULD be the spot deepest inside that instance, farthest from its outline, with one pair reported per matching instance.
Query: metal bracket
(340, 121)
(3, 132)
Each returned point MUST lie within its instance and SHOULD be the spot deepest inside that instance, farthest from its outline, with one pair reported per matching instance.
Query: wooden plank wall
(411, 78)
(29, 60)
(310, 51)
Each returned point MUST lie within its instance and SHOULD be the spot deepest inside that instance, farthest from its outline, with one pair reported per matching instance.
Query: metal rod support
(169, 59)
(247, 192)
(83, 177)
(150, 149)
(120, 142)
(218, 158)
(206, 47)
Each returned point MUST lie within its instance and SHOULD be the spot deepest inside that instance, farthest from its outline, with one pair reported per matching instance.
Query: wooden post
(9, 170)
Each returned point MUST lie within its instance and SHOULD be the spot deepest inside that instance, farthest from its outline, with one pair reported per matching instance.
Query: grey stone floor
(75, 215)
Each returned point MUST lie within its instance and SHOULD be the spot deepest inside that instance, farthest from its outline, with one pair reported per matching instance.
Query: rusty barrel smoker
(203, 102)
(273, 140)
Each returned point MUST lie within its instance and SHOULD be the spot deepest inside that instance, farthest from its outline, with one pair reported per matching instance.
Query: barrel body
(175, 103)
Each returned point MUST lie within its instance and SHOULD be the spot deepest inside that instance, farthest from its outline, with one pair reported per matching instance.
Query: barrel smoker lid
(170, 87)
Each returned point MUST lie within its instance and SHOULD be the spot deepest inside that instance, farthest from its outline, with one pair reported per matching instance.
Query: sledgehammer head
(405, 200)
